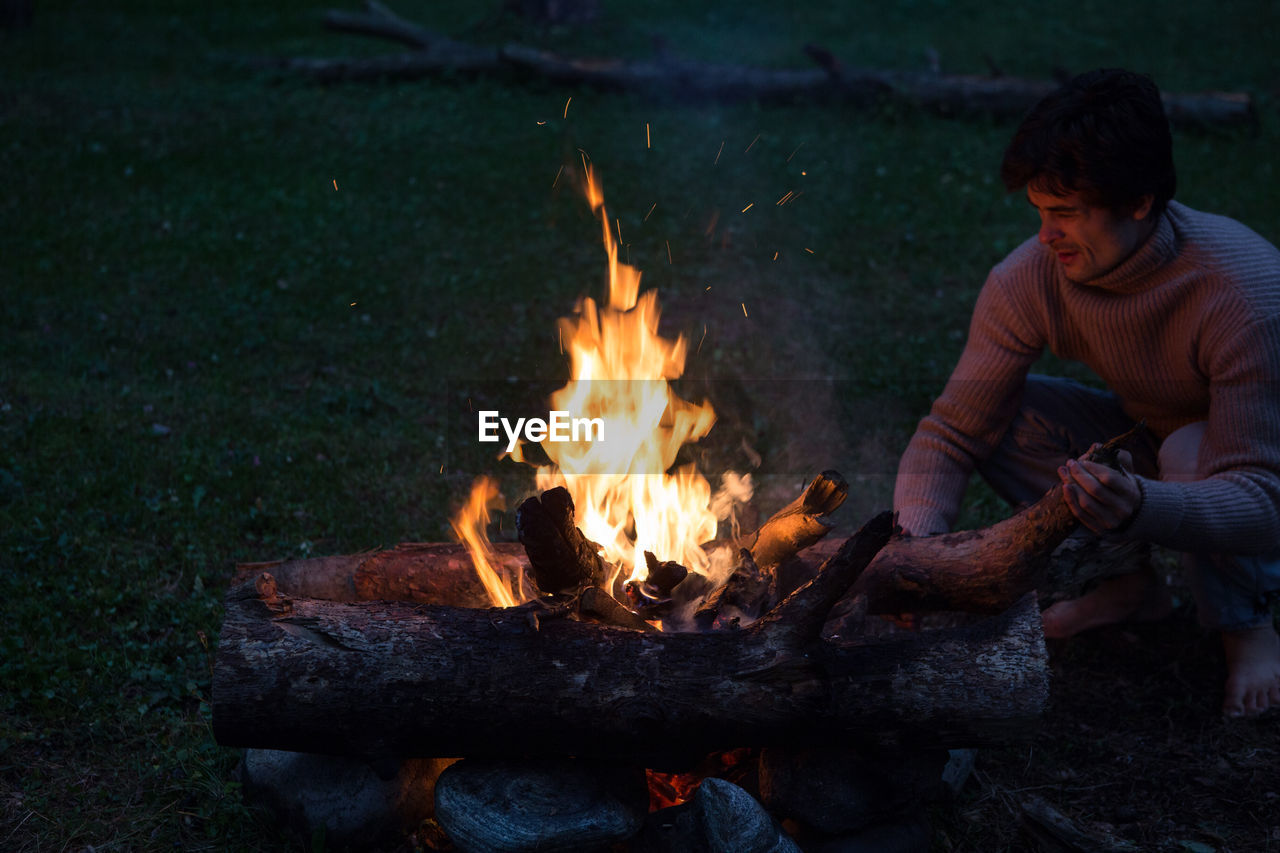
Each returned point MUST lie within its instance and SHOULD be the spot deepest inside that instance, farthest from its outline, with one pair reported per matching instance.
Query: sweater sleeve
(1235, 508)
(975, 407)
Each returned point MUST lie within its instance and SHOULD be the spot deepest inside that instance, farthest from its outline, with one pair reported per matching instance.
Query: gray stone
(547, 805)
(345, 798)
(732, 821)
(721, 817)
(959, 767)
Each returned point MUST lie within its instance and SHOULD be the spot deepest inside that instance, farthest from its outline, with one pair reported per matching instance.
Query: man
(1178, 313)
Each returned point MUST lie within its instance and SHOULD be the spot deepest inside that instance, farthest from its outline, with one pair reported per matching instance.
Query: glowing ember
(627, 497)
(672, 789)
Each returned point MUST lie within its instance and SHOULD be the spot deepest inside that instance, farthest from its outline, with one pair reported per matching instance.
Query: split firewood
(739, 601)
(981, 571)
(654, 597)
(562, 558)
(663, 575)
(594, 604)
(432, 55)
(753, 587)
(799, 524)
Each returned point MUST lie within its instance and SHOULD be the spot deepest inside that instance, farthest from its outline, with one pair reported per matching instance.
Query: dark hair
(1103, 135)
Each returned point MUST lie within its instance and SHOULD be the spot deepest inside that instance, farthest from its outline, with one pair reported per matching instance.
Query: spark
(744, 309)
(648, 140)
(618, 222)
(753, 142)
(703, 338)
(718, 153)
(775, 256)
(748, 207)
(786, 197)
(708, 287)
(810, 251)
(793, 153)
(566, 107)
(651, 210)
(335, 184)
(669, 252)
(442, 469)
(559, 172)
(353, 305)
(560, 336)
(541, 122)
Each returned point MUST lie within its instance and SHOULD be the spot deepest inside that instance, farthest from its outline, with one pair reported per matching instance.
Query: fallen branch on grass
(432, 54)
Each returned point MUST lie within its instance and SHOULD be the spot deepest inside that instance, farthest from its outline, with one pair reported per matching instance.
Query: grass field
(241, 313)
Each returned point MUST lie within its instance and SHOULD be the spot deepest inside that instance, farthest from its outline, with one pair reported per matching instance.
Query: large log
(385, 677)
(433, 54)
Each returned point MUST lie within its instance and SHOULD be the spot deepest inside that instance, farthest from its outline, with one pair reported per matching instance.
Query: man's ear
(1143, 210)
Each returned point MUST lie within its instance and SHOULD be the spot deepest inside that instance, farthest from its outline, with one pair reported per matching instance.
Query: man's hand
(1103, 498)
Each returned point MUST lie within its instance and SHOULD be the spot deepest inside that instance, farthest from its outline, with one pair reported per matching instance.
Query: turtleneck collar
(1134, 273)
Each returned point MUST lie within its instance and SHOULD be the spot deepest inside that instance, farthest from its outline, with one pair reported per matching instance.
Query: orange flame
(627, 498)
(469, 525)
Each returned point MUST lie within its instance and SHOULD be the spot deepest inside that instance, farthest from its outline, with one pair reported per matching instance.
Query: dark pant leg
(1059, 419)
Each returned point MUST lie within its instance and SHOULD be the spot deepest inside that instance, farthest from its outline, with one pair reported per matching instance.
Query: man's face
(1088, 241)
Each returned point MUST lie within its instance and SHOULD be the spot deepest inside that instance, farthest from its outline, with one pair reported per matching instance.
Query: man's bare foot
(1253, 671)
(1135, 597)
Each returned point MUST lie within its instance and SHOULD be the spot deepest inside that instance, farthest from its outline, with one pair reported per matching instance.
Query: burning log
(799, 524)
(982, 571)
(396, 678)
(432, 54)
(740, 600)
(753, 587)
(562, 558)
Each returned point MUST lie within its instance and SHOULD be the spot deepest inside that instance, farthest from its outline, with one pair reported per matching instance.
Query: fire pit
(614, 665)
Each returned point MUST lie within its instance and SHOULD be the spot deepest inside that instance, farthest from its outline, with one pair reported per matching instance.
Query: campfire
(635, 507)
(635, 667)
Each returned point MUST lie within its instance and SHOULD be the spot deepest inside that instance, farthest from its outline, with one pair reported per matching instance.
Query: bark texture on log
(982, 571)
(381, 677)
(428, 573)
(433, 54)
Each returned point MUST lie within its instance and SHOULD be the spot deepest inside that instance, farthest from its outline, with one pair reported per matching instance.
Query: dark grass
(210, 355)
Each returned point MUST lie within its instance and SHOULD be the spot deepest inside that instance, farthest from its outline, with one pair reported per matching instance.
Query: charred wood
(561, 557)
(741, 600)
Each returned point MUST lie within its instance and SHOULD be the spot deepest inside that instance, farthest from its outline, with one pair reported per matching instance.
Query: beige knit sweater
(1186, 329)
